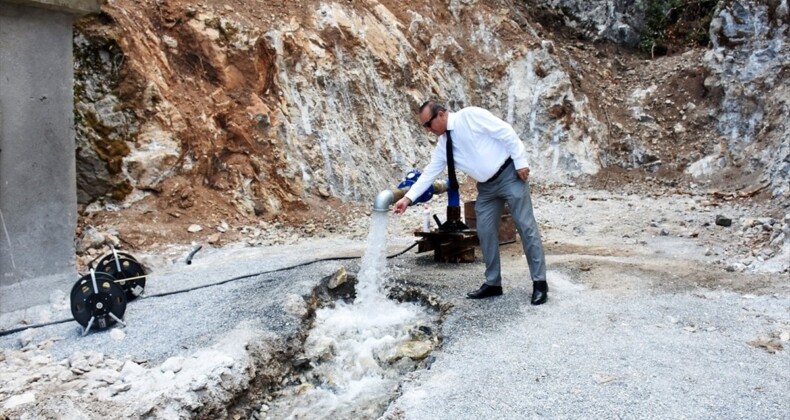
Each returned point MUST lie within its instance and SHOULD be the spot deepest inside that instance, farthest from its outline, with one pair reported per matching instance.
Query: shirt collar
(451, 120)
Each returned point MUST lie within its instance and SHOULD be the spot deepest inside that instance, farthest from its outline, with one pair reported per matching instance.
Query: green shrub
(676, 25)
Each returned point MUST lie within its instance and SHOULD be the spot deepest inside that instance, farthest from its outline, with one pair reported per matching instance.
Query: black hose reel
(99, 298)
(123, 266)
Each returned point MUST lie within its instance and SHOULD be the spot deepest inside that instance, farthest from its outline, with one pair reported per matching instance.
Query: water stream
(359, 351)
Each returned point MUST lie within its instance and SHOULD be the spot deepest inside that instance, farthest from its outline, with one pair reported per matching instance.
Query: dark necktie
(451, 163)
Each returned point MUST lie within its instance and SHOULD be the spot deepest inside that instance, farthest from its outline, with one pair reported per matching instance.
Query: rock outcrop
(274, 108)
(321, 103)
(748, 61)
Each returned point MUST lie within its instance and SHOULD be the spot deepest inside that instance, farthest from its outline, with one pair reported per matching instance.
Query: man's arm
(429, 174)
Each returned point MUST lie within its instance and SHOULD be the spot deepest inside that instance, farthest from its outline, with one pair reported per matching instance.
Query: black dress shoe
(540, 292)
(485, 291)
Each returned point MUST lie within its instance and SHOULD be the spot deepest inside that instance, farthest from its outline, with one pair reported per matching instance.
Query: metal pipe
(385, 198)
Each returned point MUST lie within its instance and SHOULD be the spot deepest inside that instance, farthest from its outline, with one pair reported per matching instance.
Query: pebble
(117, 334)
(173, 364)
(338, 278)
(723, 221)
(103, 376)
(17, 400)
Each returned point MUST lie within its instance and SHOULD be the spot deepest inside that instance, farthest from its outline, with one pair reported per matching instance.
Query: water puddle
(356, 353)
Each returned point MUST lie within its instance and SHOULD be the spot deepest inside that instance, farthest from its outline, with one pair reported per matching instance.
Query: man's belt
(501, 169)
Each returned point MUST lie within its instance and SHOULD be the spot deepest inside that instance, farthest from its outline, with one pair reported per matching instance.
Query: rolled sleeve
(430, 173)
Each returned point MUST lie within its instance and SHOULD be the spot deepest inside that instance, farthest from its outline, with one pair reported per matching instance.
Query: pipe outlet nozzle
(383, 201)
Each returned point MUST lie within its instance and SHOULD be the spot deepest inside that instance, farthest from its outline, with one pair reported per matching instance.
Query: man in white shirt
(488, 150)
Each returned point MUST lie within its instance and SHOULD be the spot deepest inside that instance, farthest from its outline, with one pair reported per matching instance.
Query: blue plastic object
(453, 198)
(412, 177)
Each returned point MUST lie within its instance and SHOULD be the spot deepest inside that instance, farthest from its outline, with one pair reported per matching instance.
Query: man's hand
(523, 174)
(401, 205)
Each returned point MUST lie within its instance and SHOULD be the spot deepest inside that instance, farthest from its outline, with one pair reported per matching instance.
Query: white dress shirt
(481, 144)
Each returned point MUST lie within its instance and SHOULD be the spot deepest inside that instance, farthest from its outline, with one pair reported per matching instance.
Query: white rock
(112, 240)
(120, 387)
(130, 370)
(27, 336)
(79, 364)
(117, 334)
(91, 238)
(173, 364)
(199, 383)
(41, 360)
(113, 364)
(94, 358)
(102, 377)
(66, 376)
(170, 42)
(17, 400)
(213, 239)
(295, 305)
(194, 228)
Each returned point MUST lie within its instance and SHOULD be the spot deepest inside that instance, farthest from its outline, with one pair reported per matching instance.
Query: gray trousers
(491, 199)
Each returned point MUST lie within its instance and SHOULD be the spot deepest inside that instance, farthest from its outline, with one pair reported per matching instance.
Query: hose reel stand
(99, 298)
(96, 301)
(123, 266)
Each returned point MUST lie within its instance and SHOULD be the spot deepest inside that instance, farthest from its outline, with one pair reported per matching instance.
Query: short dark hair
(433, 106)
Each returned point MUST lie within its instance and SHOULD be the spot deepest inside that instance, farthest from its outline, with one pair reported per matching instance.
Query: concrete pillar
(38, 199)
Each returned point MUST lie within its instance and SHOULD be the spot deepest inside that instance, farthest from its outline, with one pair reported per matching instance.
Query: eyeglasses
(429, 122)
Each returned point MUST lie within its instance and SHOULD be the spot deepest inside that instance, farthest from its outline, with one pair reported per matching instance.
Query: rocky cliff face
(270, 108)
(749, 62)
(320, 102)
(619, 21)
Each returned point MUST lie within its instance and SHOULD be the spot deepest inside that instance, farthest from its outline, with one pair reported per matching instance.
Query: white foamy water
(355, 348)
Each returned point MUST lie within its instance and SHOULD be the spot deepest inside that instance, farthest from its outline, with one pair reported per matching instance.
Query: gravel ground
(591, 353)
(186, 321)
(640, 323)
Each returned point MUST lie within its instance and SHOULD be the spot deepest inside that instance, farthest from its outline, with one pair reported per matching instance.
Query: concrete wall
(77, 7)
(38, 199)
